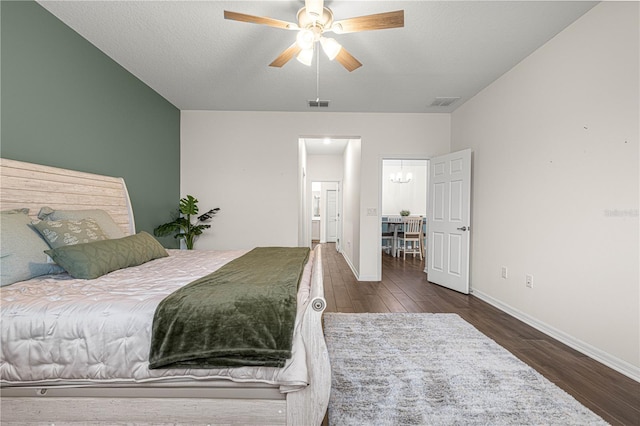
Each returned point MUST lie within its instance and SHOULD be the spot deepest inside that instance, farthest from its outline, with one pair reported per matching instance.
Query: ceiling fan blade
(347, 60)
(379, 21)
(286, 55)
(262, 20)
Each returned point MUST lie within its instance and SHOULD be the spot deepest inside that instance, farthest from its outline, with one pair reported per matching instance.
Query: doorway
(325, 211)
(332, 159)
(404, 187)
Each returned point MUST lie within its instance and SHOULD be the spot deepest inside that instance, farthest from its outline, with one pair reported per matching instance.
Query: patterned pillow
(22, 249)
(95, 259)
(105, 221)
(60, 233)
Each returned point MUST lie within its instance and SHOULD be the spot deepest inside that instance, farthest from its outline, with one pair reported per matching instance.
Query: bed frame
(220, 402)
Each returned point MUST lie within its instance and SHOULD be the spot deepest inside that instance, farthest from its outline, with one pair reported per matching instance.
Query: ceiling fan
(313, 21)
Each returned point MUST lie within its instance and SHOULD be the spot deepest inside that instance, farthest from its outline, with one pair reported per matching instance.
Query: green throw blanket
(243, 314)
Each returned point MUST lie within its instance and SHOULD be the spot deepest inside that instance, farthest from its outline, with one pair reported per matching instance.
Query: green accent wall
(65, 103)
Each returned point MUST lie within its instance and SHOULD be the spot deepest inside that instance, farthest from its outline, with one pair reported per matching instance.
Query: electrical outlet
(505, 272)
(529, 280)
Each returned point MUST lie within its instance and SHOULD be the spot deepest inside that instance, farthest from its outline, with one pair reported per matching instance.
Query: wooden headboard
(32, 186)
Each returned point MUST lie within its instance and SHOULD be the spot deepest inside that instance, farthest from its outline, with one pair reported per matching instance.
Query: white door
(332, 215)
(449, 220)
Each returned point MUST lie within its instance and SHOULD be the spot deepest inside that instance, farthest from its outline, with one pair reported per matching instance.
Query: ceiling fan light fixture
(306, 56)
(331, 47)
(313, 20)
(305, 39)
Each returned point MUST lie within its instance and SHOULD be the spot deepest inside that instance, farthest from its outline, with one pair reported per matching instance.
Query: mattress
(57, 330)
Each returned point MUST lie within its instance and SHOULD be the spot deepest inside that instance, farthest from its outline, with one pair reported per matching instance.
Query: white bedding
(57, 330)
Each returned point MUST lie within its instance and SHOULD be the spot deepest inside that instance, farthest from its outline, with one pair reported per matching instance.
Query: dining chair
(393, 225)
(387, 241)
(409, 240)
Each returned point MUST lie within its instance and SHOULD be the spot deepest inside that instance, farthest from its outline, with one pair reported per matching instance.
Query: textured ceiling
(197, 60)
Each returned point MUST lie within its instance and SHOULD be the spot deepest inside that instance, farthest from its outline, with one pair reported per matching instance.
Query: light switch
(372, 211)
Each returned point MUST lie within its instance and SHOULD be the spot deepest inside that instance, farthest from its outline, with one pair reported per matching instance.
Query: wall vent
(444, 101)
(317, 103)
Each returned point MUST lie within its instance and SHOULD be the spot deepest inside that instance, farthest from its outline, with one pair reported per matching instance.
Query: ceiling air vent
(317, 103)
(444, 102)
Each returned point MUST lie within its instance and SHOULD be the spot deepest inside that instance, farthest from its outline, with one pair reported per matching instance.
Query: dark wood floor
(404, 288)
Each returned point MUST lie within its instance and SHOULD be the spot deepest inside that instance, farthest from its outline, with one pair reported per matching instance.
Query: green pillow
(60, 233)
(22, 249)
(105, 221)
(92, 260)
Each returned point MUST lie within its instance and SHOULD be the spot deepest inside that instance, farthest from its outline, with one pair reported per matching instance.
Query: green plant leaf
(177, 225)
(198, 229)
(208, 215)
(181, 225)
(189, 205)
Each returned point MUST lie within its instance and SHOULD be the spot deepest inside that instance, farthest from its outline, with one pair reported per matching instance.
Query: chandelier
(400, 177)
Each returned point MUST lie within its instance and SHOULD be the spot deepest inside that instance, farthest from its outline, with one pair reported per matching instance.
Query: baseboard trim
(355, 272)
(348, 260)
(609, 360)
(368, 278)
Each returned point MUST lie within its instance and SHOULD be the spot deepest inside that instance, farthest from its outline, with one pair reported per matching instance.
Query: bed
(83, 377)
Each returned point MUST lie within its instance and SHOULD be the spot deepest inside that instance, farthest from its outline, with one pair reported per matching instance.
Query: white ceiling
(325, 146)
(197, 60)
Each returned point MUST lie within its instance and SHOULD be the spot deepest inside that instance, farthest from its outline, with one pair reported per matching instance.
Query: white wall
(304, 231)
(227, 159)
(325, 167)
(351, 198)
(555, 186)
(410, 196)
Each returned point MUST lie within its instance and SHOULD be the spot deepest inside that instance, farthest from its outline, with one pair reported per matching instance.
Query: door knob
(464, 228)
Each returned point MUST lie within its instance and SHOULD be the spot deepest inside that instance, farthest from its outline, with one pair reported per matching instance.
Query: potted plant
(182, 225)
(405, 212)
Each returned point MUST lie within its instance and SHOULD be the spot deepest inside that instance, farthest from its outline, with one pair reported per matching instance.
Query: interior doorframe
(348, 175)
(380, 195)
(323, 224)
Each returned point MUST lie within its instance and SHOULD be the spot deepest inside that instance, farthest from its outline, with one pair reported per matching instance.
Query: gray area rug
(435, 369)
